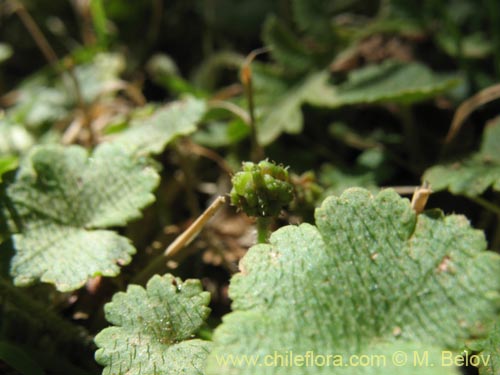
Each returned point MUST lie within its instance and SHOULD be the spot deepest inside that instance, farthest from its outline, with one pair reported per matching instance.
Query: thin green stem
(263, 229)
(410, 133)
(486, 204)
(257, 152)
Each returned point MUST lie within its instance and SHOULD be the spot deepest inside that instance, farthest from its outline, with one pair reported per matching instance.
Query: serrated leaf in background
(173, 120)
(389, 81)
(285, 46)
(43, 99)
(282, 109)
(473, 175)
(314, 17)
(370, 271)
(154, 328)
(64, 198)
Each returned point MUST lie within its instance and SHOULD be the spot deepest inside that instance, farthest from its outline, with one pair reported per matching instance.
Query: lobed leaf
(63, 199)
(473, 175)
(388, 82)
(371, 271)
(282, 113)
(154, 328)
(285, 46)
(173, 120)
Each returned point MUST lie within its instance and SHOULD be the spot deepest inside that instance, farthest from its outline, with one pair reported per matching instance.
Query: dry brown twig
(420, 197)
(470, 105)
(192, 231)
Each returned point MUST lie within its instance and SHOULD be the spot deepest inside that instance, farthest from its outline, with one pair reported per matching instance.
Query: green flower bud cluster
(261, 189)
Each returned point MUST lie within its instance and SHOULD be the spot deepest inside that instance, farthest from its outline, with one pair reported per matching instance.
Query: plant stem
(257, 152)
(190, 233)
(179, 243)
(410, 133)
(263, 232)
(486, 204)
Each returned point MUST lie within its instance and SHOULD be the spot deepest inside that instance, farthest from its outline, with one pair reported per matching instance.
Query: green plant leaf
(280, 104)
(490, 353)
(14, 138)
(7, 163)
(370, 271)
(473, 175)
(369, 170)
(314, 16)
(64, 198)
(98, 76)
(167, 123)
(99, 20)
(389, 81)
(285, 47)
(154, 328)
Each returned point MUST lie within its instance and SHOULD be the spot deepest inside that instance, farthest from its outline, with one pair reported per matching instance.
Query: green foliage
(282, 111)
(7, 163)
(63, 199)
(15, 139)
(43, 99)
(369, 172)
(472, 175)
(490, 349)
(285, 47)
(370, 271)
(104, 101)
(261, 189)
(388, 82)
(154, 328)
(167, 123)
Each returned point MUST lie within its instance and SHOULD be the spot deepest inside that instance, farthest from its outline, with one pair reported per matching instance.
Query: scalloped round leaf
(173, 120)
(370, 271)
(473, 175)
(153, 329)
(61, 195)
